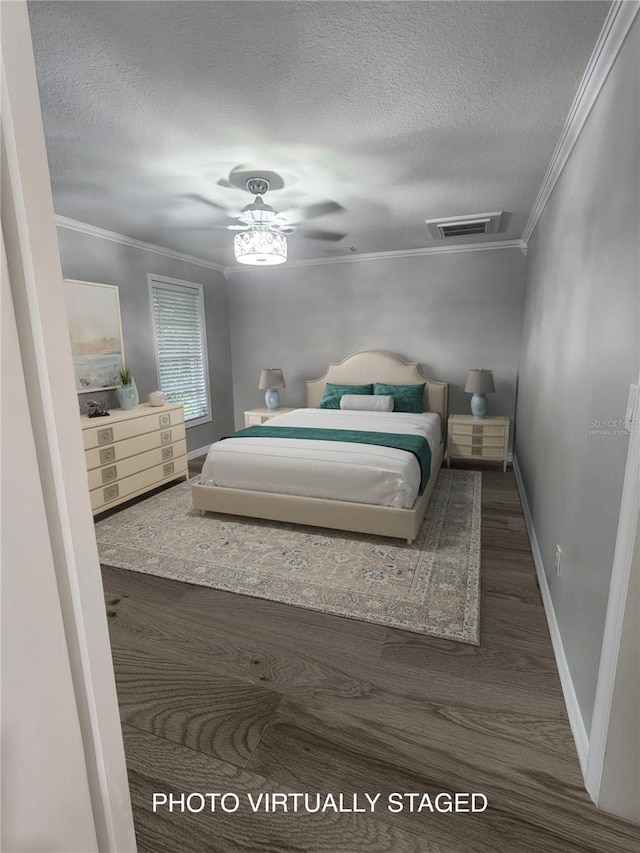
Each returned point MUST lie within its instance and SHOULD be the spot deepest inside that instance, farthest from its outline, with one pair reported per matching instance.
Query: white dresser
(478, 438)
(131, 452)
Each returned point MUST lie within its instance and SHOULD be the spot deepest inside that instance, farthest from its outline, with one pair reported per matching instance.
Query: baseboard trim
(576, 720)
(201, 451)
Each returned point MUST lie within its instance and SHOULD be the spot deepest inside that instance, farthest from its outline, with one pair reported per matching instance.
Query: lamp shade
(480, 382)
(260, 248)
(271, 378)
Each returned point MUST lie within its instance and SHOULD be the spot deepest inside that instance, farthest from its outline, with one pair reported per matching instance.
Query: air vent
(460, 229)
(465, 226)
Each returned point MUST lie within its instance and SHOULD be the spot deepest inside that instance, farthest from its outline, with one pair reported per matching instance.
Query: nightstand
(255, 417)
(478, 438)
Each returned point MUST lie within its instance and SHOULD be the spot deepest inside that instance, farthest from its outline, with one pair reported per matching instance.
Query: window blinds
(178, 315)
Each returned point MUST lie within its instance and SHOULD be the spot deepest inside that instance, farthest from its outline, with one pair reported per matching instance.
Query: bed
(344, 486)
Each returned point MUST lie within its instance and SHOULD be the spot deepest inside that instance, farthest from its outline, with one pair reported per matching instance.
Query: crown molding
(115, 237)
(399, 253)
(614, 31)
(95, 231)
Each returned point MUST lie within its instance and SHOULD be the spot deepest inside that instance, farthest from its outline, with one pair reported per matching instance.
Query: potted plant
(126, 393)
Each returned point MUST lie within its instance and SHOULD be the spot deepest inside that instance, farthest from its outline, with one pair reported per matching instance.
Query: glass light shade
(260, 248)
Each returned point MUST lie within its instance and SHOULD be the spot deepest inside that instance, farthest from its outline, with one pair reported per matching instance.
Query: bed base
(320, 512)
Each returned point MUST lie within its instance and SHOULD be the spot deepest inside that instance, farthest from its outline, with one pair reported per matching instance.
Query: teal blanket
(416, 444)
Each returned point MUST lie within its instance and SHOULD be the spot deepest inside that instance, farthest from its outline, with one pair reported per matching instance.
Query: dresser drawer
(112, 493)
(482, 450)
(458, 449)
(132, 464)
(110, 453)
(105, 434)
(479, 440)
(493, 452)
(477, 430)
(253, 420)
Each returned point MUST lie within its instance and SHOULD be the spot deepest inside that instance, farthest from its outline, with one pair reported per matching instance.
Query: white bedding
(337, 470)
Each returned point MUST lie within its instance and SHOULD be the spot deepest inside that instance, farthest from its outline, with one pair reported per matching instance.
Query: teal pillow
(333, 393)
(406, 398)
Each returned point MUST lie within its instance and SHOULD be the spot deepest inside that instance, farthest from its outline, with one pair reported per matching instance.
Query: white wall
(580, 352)
(450, 312)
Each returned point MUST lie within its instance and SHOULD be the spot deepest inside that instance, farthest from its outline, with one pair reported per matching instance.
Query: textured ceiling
(398, 111)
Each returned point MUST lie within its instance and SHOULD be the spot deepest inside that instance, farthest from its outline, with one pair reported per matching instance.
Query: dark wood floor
(225, 693)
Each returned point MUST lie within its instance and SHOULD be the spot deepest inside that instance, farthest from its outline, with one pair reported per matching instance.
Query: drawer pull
(107, 454)
(477, 430)
(105, 436)
(165, 420)
(476, 451)
(110, 474)
(167, 453)
(168, 469)
(476, 440)
(111, 493)
(165, 437)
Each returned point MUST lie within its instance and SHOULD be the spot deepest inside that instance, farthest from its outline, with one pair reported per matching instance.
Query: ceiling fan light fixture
(260, 248)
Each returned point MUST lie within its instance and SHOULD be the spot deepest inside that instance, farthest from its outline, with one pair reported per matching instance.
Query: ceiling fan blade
(208, 227)
(311, 211)
(228, 211)
(312, 234)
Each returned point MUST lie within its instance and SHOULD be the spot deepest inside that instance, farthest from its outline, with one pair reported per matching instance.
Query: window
(177, 308)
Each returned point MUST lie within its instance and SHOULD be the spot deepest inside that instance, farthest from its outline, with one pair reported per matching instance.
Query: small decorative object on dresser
(157, 398)
(255, 417)
(96, 409)
(133, 452)
(126, 393)
(270, 380)
(470, 438)
(479, 383)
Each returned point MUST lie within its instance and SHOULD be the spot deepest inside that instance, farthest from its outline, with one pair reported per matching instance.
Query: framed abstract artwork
(93, 313)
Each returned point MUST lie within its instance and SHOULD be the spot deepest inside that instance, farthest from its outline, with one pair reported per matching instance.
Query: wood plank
(201, 605)
(306, 672)
(120, 583)
(531, 809)
(212, 715)
(155, 765)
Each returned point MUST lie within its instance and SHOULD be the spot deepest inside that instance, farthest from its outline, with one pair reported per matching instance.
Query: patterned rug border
(315, 596)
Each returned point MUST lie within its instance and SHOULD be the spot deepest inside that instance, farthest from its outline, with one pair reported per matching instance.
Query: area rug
(431, 587)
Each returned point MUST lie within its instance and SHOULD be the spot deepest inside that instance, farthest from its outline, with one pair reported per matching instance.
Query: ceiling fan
(263, 231)
(260, 214)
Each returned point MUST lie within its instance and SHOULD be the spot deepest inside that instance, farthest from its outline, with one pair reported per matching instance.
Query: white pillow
(366, 402)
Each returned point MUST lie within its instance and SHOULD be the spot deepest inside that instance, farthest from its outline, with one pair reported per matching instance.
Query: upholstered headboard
(380, 366)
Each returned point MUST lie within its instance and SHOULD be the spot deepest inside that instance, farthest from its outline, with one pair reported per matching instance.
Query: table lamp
(271, 379)
(479, 383)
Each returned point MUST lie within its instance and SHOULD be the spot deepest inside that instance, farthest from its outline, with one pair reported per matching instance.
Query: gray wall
(580, 352)
(90, 258)
(450, 312)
